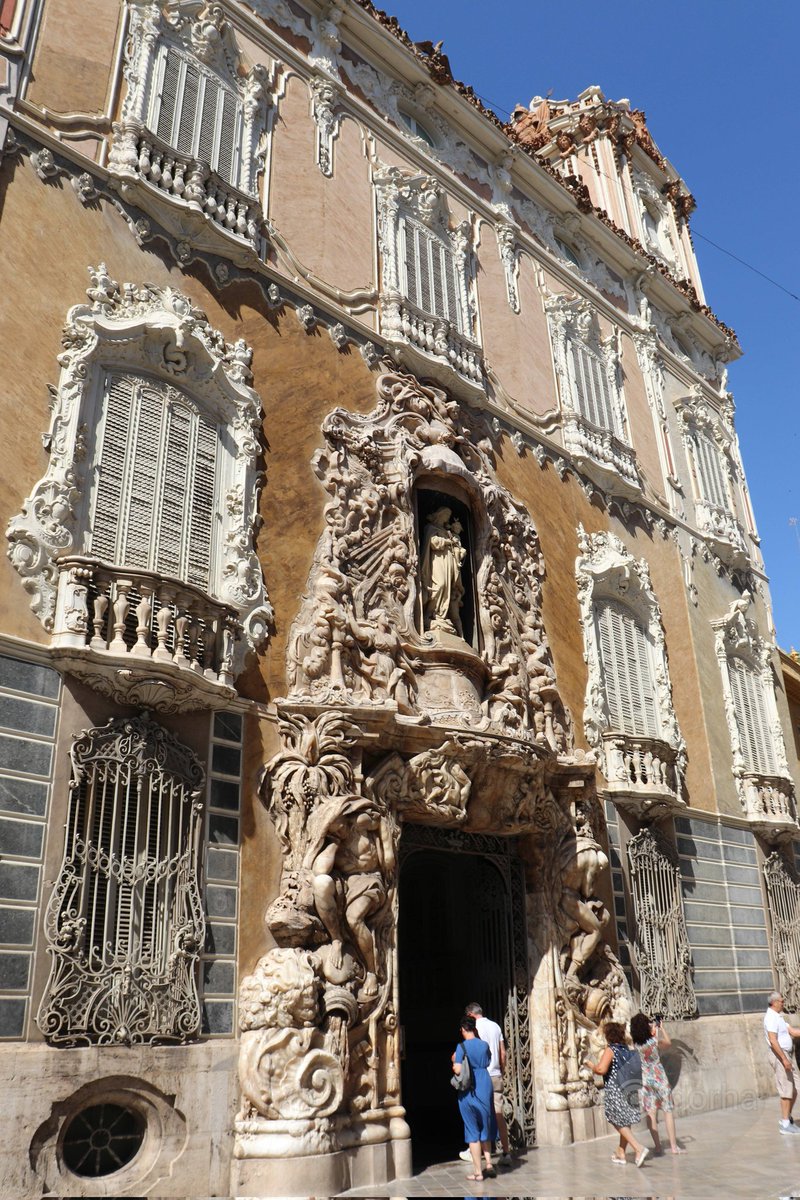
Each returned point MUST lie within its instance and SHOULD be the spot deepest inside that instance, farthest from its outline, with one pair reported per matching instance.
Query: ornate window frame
(157, 332)
(768, 800)
(605, 453)
(662, 241)
(182, 190)
(447, 349)
(663, 953)
(125, 924)
(645, 775)
(718, 522)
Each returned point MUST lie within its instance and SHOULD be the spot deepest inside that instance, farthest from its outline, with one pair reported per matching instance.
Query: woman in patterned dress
(656, 1093)
(619, 1112)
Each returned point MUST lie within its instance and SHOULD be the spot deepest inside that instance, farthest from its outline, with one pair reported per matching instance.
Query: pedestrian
(779, 1036)
(492, 1034)
(619, 1112)
(656, 1093)
(476, 1105)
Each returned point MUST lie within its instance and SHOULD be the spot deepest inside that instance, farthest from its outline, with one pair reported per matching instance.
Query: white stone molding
(715, 514)
(359, 639)
(663, 956)
(141, 329)
(324, 99)
(651, 364)
(105, 986)
(506, 234)
(644, 774)
(604, 452)
(767, 795)
(190, 197)
(446, 348)
(658, 241)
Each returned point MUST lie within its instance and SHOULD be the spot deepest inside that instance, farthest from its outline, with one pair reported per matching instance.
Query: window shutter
(230, 137)
(627, 672)
(431, 274)
(593, 389)
(185, 136)
(168, 99)
(156, 497)
(711, 479)
(751, 717)
(207, 122)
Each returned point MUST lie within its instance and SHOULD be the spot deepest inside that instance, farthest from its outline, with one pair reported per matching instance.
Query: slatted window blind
(431, 273)
(593, 389)
(195, 113)
(710, 474)
(155, 498)
(752, 718)
(627, 671)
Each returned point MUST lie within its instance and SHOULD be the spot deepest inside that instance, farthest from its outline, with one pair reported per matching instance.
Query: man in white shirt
(492, 1034)
(779, 1036)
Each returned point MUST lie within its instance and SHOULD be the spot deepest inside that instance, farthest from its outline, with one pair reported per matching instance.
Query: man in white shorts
(779, 1036)
(492, 1034)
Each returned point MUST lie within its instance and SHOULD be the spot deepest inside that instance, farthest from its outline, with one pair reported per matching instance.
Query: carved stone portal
(393, 716)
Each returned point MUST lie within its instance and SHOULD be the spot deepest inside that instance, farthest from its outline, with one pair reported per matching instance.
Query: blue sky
(719, 82)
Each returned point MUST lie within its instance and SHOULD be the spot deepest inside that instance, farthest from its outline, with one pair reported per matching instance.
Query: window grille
(431, 273)
(196, 114)
(627, 671)
(593, 388)
(710, 475)
(154, 502)
(783, 899)
(752, 721)
(125, 924)
(663, 956)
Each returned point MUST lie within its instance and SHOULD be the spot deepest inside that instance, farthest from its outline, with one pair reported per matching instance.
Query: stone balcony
(723, 531)
(431, 346)
(190, 198)
(642, 774)
(603, 456)
(769, 805)
(143, 639)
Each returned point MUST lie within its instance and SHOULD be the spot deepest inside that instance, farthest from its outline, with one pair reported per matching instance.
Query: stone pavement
(733, 1152)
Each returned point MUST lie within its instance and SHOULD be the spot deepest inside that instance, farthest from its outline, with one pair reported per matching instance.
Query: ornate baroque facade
(377, 539)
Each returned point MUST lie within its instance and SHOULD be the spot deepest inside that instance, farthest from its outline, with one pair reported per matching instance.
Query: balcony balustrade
(601, 453)
(769, 805)
(144, 638)
(724, 531)
(432, 343)
(642, 774)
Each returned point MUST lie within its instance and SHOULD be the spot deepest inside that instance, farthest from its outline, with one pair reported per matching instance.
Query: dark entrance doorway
(461, 937)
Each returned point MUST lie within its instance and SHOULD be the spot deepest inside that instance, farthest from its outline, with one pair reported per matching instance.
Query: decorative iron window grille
(783, 898)
(663, 956)
(125, 923)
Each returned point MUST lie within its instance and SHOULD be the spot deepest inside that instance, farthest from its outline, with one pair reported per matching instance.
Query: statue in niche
(442, 586)
(350, 856)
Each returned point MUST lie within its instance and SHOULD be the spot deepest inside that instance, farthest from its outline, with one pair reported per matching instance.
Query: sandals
(489, 1173)
(639, 1160)
(621, 1162)
(477, 1178)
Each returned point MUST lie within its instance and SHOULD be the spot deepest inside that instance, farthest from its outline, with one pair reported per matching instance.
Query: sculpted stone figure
(442, 558)
(350, 856)
(585, 917)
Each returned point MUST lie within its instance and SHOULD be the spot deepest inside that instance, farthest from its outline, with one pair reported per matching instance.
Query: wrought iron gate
(496, 881)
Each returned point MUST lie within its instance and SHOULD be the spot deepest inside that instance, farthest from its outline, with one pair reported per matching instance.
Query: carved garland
(159, 331)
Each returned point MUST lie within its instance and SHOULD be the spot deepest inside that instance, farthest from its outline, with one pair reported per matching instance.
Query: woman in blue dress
(477, 1105)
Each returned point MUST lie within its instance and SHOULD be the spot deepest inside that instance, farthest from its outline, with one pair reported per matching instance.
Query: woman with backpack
(648, 1035)
(616, 1099)
(476, 1102)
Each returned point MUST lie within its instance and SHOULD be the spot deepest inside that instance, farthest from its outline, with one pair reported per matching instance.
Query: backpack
(464, 1082)
(628, 1073)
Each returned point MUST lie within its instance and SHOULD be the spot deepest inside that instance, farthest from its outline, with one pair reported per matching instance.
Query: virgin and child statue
(442, 586)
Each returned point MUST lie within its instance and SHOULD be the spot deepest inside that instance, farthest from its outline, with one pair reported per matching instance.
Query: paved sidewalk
(733, 1152)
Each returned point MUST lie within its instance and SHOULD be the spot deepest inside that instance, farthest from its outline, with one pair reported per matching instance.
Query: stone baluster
(163, 621)
(226, 652)
(144, 611)
(100, 608)
(194, 633)
(155, 167)
(120, 610)
(144, 157)
(166, 173)
(179, 182)
(181, 623)
(211, 621)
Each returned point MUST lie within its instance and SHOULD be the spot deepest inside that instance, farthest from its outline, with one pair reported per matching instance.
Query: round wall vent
(102, 1139)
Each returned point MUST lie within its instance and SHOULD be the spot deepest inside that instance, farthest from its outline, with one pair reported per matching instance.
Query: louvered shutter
(593, 389)
(187, 120)
(750, 704)
(627, 671)
(155, 499)
(431, 273)
(206, 137)
(711, 479)
(230, 138)
(167, 95)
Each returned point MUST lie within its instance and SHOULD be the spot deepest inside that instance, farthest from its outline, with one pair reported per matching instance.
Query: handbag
(463, 1082)
(628, 1075)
